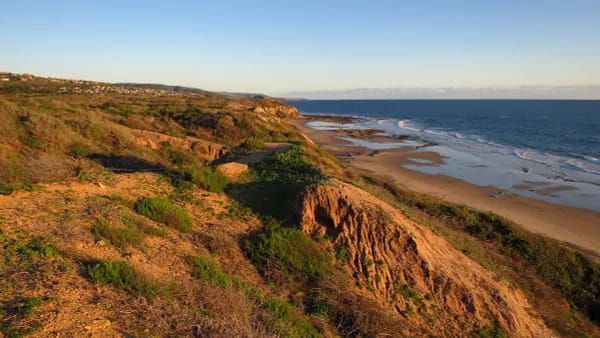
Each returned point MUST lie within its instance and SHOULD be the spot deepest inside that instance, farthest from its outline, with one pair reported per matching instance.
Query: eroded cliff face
(276, 108)
(202, 149)
(409, 269)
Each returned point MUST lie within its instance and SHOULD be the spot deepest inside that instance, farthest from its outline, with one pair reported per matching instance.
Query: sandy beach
(576, 227)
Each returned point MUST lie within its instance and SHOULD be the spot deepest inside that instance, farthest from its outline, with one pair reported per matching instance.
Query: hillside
(154, 211)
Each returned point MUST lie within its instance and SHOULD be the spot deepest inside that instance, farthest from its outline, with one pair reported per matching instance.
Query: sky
(282, 47)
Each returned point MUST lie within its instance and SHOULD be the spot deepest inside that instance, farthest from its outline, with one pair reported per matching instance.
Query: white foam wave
(407, 125)
(436, 132)
(564, 165)
(581, 166)
(529, 155)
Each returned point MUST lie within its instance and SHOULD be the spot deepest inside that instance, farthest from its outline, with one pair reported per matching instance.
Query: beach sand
(576, 227)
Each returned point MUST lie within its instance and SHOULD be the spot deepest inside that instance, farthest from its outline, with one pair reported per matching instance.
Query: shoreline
(575, 227)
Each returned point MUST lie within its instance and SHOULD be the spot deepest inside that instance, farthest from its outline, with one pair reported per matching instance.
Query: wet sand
(576, 227)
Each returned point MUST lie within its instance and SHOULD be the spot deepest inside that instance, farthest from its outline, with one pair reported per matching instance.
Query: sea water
(553, 143)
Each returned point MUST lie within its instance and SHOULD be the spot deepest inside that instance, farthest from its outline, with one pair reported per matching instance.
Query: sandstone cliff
(411, 270)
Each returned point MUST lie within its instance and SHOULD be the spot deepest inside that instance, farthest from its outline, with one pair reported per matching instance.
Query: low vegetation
(293, 324)
(123, 276)
(164, 211)
(289, 320)
(17, 251)
(289, 167)
(9, 188)
(206, 269)
(276, 182)
(288, 249)
(119, 237)
(205, 177)
(17, 310)
(26, 257)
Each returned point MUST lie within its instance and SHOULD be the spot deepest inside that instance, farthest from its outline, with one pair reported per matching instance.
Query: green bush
(291, 322)
(17, 310)
(253, 144)
(119, 237)
(206, 178)
(341, 253)
(206, 269)
(123, 276)
(408, 292)
(288, 249)
(142, 225)
(16, 251)
(23, 306)
(164, 211)
(491, 332)
(289, 167)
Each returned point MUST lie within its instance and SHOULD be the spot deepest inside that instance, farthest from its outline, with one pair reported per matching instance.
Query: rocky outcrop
(408, 268)
(203, 149)
(275, 108)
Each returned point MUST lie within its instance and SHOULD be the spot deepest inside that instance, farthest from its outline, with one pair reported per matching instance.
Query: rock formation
(410, 269)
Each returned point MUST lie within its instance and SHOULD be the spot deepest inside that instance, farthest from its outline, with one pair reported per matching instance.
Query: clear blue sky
(279, 46)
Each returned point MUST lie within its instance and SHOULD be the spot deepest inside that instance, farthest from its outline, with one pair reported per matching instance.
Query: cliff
(154, 211)
(409, 269)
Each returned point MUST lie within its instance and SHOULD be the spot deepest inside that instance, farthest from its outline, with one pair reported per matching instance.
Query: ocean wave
(581, 166)
(408, 125)
(478, 144)
(529, 155)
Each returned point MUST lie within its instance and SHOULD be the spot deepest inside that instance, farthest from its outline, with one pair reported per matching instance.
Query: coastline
(576, 227)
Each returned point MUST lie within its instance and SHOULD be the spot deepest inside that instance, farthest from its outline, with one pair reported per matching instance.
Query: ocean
(495, 142)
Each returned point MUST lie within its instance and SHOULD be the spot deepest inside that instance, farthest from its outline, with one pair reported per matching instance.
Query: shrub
(15, 251)
(341, 253)
(491, 332)
(123, 276)
(23, 306)
(17, 310)
(119, 237)
(252, 144)
(292, 323)
(164, 211)
(207, 178)
(206, 269)
(289, 167)
(289, 249)
(408, 292)
(142, 225)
